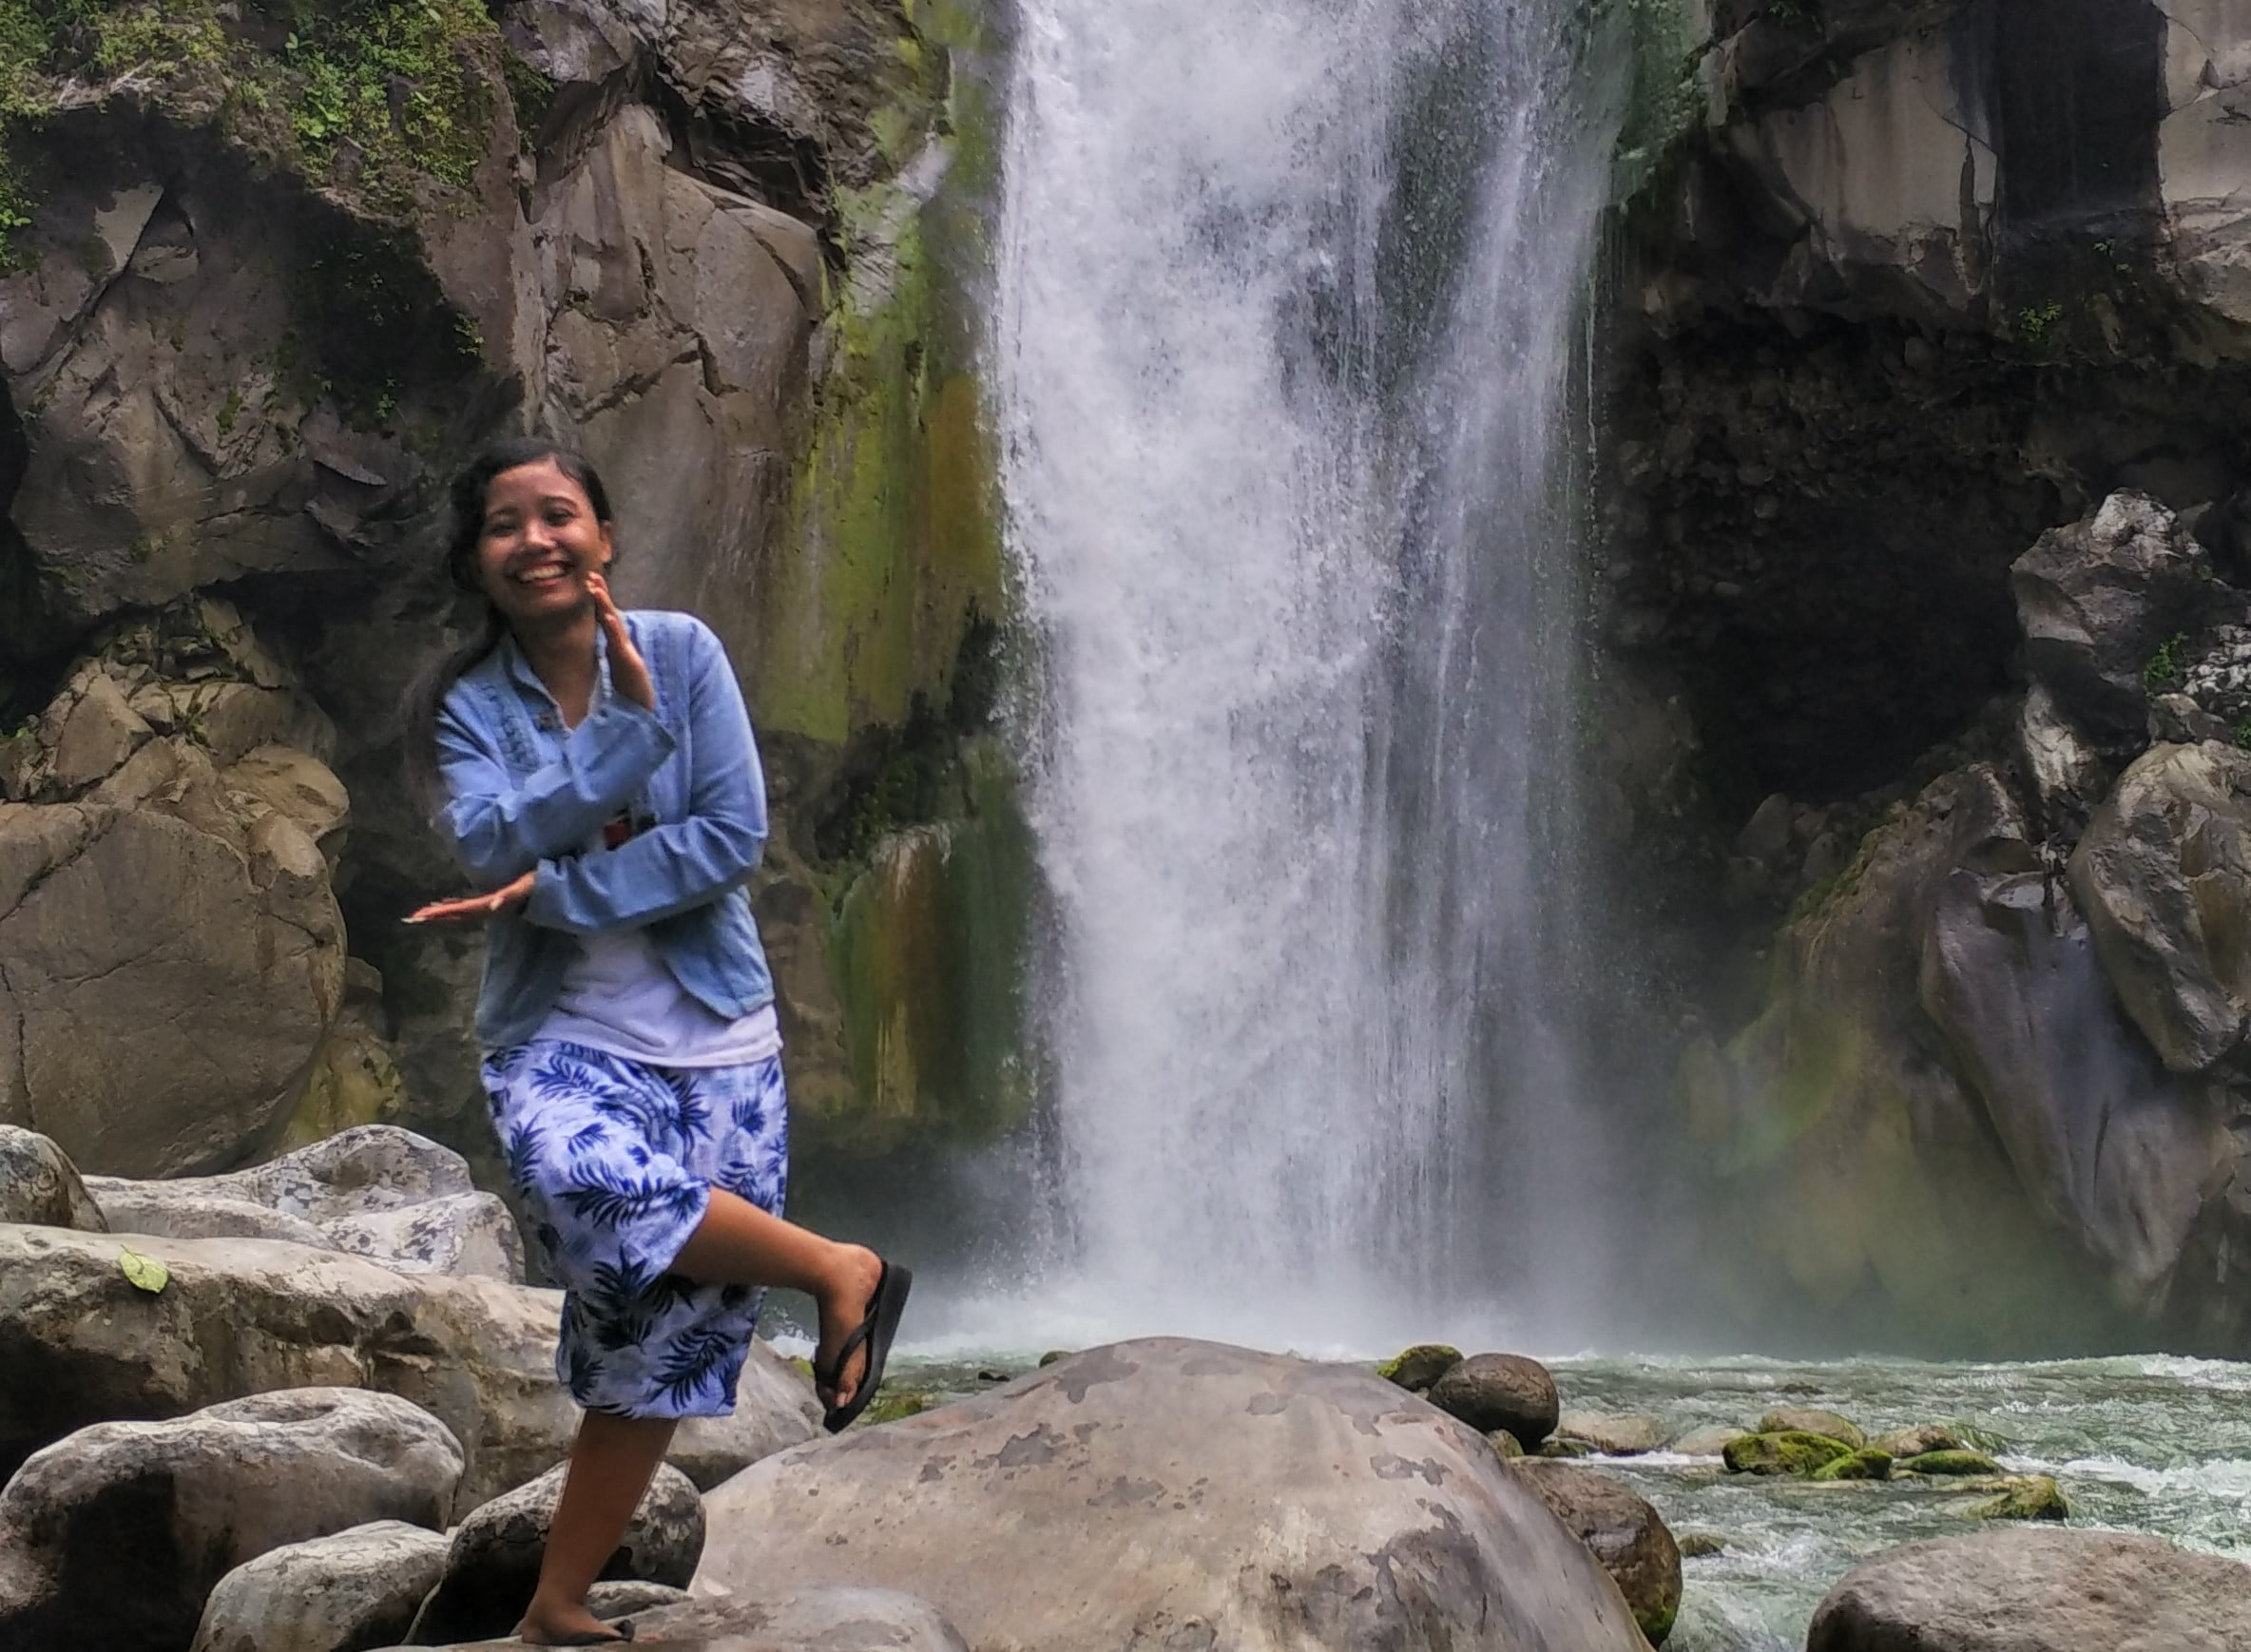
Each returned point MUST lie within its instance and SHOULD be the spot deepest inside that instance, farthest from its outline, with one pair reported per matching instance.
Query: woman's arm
(501, 830)
(685, 863)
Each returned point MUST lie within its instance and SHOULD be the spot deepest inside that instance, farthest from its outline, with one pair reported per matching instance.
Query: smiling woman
(596, 776)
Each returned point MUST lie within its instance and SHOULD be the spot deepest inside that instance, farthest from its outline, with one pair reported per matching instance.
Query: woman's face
(540, 540)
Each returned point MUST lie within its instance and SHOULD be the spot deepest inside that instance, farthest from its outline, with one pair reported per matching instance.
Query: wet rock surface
(1621, 1530)
(2035, 1591)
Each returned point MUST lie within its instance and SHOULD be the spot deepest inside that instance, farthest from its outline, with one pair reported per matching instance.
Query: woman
(601, 787)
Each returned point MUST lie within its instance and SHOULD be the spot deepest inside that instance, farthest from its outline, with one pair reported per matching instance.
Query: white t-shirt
(617, 996)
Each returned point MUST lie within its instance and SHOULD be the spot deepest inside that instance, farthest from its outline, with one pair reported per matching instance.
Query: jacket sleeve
(501, 830)
(680, 864)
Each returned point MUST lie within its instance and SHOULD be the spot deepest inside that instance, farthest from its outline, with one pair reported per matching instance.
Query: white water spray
(1289, 297)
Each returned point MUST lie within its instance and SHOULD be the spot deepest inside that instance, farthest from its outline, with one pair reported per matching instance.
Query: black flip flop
(876, 1330)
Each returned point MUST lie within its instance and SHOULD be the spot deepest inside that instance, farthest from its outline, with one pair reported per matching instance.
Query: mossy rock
(1865, 1463)
(1418, 1366)
(890, 1406)
(2030, 1497)
(1053, 1355)
(1804, 1420)
(1787, 1452)
(1957, 1462)
(1566, 1448)
(1701, 1545)
(1507, 1443)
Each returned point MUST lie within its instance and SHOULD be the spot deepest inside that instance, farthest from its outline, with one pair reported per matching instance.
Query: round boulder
(40, 1185)
(1622, 1532)
(1257, 1499)
(2036, 1591)
(1921, 1440)
(1804, 1420)
(1418, 1366)
(116, 1535)
(492, 1563)
(358, 1588)
(1500, 1391)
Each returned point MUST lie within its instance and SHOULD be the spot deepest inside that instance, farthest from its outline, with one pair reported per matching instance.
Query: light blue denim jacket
(523, 792)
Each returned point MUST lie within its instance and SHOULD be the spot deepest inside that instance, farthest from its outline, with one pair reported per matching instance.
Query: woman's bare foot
(843, 1305)
(546, 1625)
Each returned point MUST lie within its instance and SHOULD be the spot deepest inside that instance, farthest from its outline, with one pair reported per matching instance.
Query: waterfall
(1289, 305)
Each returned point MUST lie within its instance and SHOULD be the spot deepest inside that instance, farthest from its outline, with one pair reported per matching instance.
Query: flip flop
(876, 1330)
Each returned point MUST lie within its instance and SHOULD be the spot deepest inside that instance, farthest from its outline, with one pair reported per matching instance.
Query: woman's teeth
(548, 573)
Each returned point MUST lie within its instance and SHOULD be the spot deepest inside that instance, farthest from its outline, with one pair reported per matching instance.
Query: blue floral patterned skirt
(615, 1161)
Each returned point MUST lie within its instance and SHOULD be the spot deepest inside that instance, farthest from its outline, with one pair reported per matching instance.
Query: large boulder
(115, 1536)
(2036, 1591)
(492, 1565)
(1260, 1499)
(1500, 1391)
(38, 1183)
(792, 1619)
(1621, 1531)
(359, 1587)
(80, 1343)
(2098, 598)
(2163, 876)
(375, 1190)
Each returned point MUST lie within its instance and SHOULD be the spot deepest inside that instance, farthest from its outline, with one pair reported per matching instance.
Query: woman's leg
(612, 1461)
(736, 1243)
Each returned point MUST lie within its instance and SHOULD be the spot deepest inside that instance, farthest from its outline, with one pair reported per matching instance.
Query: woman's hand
(628, 671)
(477, 908)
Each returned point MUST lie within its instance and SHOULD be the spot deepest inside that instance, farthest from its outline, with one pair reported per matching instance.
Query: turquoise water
(2145, 1444)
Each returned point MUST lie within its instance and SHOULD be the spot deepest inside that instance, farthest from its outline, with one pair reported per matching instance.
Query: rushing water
(1288, 302)
(2141, 1444)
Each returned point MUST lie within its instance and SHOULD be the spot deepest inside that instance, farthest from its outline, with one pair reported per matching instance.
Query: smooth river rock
(38, 1183)
(80, 1343)
(1178, 1494)
(491, 1564)
(1501, 1391)
(114, 1537)
(2037, 1591)
(361, 1587)
(375, 1190)
(1621, 1531)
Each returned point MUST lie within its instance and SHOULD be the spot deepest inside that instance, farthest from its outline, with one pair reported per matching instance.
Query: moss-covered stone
(2030, 1497)
(1805, 1420)
(355, 1081)
(1866, 1463)
(894, 1404)
(1418, 1366)
(1504, 1443)
(1949, 1463)
(1783, 1453)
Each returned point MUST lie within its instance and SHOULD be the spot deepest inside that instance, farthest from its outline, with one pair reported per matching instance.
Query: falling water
(1290, 303)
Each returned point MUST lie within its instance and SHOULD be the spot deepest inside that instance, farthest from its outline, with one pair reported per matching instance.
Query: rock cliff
(1924, 608)
(271, 270)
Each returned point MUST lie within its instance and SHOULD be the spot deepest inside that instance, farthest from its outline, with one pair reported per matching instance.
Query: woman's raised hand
(475, 907)
(628, 671)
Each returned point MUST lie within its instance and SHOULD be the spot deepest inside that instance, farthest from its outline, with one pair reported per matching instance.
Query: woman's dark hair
(466, 514)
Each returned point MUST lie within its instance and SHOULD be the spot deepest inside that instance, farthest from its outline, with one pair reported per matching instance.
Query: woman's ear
(609, 549)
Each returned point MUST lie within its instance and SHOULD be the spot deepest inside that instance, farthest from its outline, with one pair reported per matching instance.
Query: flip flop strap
(862, 1333)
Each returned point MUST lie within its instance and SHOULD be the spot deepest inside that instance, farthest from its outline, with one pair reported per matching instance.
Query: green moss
(1866, 1463)
(1418, 1366)
(2033, 1497)
(1786, 1453)
(1656, 1621)
(2164, 669)
(1949, 1463)
(894, 1404)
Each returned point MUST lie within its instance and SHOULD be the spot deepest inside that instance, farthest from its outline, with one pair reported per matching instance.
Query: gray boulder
(1262, 1500)
(1614, 1436)
(2107, 1144)
(805, 1620)
(1501, 1391)
(2097, 599)
(2163, 876)
(375, 1191)
(493, 1562)
(2037, 1591)
(115, 1536)
(1621, 1530)
(39, 1184)
(359, 1587)
(80, 1344)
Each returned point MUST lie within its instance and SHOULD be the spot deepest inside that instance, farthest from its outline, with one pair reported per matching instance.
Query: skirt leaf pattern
(614, 1161)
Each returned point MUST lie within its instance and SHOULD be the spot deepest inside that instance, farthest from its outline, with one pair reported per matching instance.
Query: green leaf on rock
(145, 1272)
